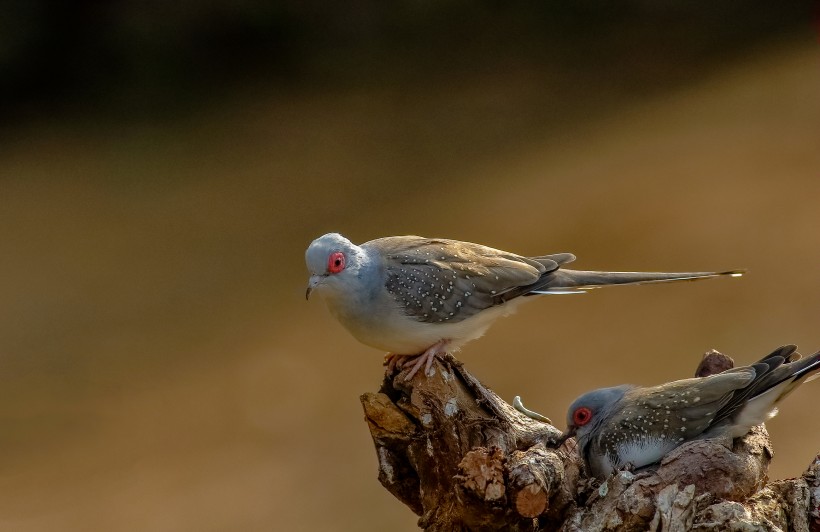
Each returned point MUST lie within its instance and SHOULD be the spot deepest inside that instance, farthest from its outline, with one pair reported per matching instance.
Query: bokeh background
(163, 166)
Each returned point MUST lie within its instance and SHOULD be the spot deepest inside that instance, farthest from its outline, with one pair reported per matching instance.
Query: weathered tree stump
(463, 459)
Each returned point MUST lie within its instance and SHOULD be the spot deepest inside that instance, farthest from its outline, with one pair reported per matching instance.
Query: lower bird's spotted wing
(439, 280)
(679, 410)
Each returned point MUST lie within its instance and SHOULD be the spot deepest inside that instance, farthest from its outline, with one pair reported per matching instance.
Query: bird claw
(636, 472)
(421, 360)
(393, 362)
(425, 359)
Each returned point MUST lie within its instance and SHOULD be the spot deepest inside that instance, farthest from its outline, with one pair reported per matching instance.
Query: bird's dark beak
(565, 436)
(312, 283)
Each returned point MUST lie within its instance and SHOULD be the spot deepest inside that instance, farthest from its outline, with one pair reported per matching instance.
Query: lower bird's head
(590, 410)
(333, 262)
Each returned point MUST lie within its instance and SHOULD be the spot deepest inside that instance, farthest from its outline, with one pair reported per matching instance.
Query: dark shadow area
(143, 59)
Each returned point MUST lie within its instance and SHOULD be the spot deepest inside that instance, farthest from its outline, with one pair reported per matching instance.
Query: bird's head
(587, 412)
(332, 260)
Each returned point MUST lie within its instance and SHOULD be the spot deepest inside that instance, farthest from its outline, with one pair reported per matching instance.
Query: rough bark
(463, 459)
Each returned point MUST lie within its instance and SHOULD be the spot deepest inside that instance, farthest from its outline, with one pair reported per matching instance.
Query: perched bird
(632, 427)
(411, 296)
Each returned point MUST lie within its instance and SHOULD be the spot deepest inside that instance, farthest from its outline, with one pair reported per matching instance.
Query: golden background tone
(159, 366)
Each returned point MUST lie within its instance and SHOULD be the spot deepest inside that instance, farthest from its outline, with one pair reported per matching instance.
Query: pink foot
(426, 359)
(393, 361)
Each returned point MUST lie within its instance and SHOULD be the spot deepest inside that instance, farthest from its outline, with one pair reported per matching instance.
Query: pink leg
(393, 361)
(426, 359)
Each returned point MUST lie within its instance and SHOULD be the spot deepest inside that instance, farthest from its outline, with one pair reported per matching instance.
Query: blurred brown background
(163, 167)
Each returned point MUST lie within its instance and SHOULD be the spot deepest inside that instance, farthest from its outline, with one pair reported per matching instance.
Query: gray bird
(632, 427)
(412, 296)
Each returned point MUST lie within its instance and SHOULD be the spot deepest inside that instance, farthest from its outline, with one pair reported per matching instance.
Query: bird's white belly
(401, 334)
(636, 453)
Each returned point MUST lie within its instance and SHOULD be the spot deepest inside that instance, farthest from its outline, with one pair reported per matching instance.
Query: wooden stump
(463, 459)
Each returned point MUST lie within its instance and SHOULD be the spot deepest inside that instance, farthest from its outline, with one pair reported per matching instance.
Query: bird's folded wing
(439, 280)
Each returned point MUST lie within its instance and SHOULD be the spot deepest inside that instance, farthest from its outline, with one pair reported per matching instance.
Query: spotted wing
(681, 409)
(439, 280)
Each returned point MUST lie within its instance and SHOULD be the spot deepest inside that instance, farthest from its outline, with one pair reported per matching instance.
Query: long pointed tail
(577, 281)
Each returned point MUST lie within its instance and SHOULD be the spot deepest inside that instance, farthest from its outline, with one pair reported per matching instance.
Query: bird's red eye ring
(336, 262)
(581, 416)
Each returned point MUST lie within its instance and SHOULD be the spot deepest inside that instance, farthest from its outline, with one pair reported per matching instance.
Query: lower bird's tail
(576, 281)
(776, 377)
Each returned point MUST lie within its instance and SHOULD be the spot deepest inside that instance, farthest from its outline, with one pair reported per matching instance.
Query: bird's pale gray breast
(438, 281)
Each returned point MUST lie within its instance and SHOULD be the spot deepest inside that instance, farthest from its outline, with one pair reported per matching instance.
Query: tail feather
(572, 281)
(809, 370)
(779, 374)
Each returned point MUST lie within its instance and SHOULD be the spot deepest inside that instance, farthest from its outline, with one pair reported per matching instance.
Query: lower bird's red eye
(336, 262)
(581, 416)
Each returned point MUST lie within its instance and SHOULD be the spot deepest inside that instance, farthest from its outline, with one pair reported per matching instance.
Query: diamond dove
(416, 296)
(632, 427)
